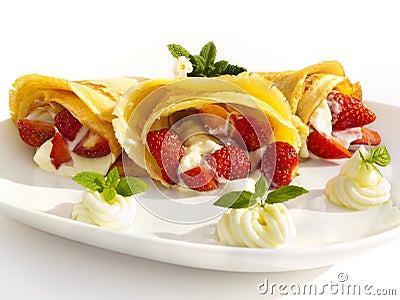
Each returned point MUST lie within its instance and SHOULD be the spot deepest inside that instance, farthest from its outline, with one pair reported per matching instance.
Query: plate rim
(10, 210)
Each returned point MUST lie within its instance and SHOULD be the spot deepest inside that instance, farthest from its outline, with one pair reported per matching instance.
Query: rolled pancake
(305, 89)
(90, 101)
(147, 107)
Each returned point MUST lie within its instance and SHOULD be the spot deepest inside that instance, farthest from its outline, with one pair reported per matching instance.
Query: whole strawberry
(279, 163)
(255, 132)
(229, 162)
(348, 112)
(166, 147)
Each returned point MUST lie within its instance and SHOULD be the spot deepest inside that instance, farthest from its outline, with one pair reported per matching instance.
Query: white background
(96, 39)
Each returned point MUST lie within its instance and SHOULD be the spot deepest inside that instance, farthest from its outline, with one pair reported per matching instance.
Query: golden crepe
(90, 101)
(305, 89)
(163, 103)
(325, 99)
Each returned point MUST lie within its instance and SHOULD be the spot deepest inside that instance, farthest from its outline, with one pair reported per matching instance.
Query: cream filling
(198, 145)
(77, 164)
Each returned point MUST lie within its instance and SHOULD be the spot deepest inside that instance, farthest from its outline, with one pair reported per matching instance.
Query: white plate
(326, 234)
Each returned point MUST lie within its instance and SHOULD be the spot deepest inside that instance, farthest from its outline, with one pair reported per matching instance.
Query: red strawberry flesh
(67, 124)
(229, 162)
(369, 137)
(35, 132)
(348, 112)
(92, 145)
(200, 178)
(255, 132)
(324, 147)
(59, 152)
(166, 147)
(279, 163)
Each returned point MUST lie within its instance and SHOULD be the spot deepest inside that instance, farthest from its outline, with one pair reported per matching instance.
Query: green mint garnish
(377, 156)
(285, 193)
(245, 199)
(236, 199)
(204, 64)
(111, 185)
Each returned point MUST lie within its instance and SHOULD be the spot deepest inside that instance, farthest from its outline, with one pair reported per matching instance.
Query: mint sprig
(112, 184)
(204, 64)
(245, 199)
(377, 156)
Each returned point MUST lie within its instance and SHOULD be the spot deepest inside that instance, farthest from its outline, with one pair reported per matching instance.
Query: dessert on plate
(326, 100)
(200, 133)
(68, 122)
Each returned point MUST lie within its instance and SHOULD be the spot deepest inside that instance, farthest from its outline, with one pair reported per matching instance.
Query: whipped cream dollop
(118, 214)
(270, 226)
(77, 164)
(358, 184)
(321, 119)
(197, 146)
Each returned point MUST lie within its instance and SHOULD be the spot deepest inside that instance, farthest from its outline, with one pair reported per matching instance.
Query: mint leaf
(112, 184)
(209, 53)
(109, 194)
(112, 178)
(233, 70)
(285, 193)
(198, 63)
(220, 66)
(177, 50)
(260, 188)
(380, 156)
(204, 64)
(129, 186)
(236, 199)
(90, 180)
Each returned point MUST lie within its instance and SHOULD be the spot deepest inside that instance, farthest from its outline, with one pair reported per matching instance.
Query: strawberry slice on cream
(339, 121)
(63, 145)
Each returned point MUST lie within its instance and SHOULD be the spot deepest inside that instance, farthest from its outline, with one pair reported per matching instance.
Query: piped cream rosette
(164, 103)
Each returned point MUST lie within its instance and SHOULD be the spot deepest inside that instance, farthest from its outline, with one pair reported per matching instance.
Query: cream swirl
(270, 226)
(358, 185)
(118, 214)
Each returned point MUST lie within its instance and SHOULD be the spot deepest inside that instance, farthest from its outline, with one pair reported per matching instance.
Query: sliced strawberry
(324, 147)
(200, 179)
(229, 162)
(348, 112)
(369, 137)
(279, 163)
(35, 132)
(166, 147)
(67, 124)
(255, 132)
(92, 145)
(59, 152)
